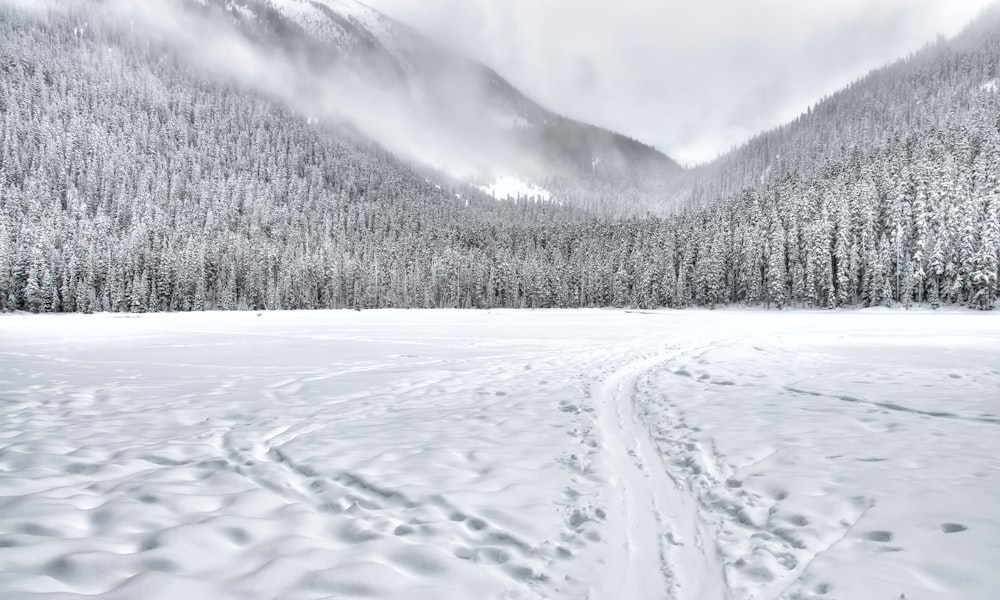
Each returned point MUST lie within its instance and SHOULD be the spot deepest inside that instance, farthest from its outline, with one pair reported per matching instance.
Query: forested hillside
(918, 93)
(131, 180)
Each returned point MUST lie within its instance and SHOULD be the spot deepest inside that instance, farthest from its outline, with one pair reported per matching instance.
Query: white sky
(692, 77)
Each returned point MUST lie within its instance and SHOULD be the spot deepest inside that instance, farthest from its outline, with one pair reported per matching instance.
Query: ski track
(660, 546)
(737, 552)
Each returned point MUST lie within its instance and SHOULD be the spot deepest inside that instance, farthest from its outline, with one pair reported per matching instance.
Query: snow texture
(500, 454)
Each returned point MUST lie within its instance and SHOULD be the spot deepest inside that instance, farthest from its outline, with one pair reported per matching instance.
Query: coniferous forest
(131, 181)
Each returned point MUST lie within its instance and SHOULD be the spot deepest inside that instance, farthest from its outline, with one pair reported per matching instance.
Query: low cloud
(692, 78)
(401, 117)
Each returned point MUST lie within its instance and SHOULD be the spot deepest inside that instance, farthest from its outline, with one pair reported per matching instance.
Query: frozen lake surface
(550, 454)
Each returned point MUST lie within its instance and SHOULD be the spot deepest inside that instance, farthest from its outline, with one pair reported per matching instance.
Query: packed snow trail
(665, 551)
(591, 454)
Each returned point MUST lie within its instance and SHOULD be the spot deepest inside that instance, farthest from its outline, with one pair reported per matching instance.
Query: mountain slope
(917, 93)
(459, 116)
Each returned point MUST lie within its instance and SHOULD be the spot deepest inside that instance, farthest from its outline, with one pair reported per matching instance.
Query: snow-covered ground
(509, 187)
(550, 454)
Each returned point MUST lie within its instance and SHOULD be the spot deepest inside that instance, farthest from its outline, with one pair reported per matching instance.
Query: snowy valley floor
(473, 455)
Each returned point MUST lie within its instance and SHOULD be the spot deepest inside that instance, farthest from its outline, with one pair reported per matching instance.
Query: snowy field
(474, 455)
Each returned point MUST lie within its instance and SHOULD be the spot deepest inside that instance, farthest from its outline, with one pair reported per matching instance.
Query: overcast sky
(692, 77)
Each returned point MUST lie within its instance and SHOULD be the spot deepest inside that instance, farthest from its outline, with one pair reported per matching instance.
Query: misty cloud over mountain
(692, 78)
(339, 62)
